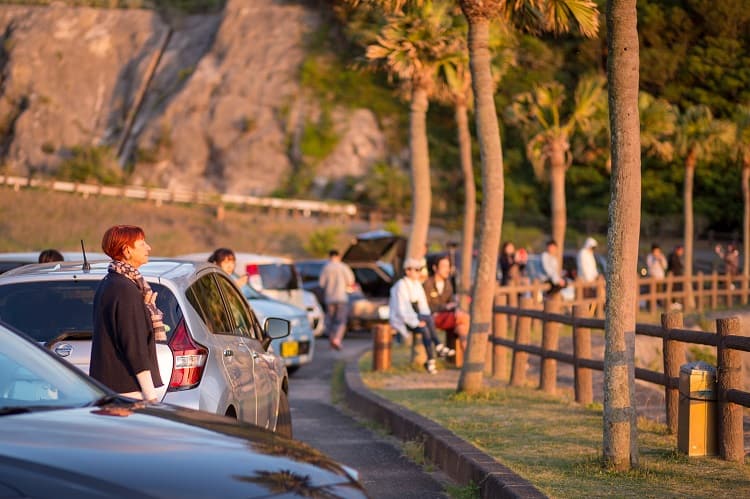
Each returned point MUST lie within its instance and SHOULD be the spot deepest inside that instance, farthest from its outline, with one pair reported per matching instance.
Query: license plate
(290, 349)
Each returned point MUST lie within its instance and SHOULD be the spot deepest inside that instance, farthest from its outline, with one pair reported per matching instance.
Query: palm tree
(454, 87)
(742, 147)
(556, 16)
(409, 47)
(658, 120)
(619, 428)
(548, 131)
(698, 137)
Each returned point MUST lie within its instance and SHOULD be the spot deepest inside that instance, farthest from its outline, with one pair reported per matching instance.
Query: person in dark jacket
(127, 322)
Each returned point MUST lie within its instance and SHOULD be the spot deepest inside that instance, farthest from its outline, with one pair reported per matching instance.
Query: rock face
(209, 103)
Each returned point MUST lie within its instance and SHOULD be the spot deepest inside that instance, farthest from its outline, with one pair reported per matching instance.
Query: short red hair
(119, 237)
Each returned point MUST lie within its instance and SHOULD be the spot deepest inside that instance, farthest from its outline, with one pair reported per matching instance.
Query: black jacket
(438, 301)
(123, 342)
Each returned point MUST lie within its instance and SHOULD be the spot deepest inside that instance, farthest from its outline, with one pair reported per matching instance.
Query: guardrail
(293, 206)
(731, 397)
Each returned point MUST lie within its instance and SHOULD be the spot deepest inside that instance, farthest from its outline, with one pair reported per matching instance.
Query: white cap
(414, 263)
(589, 243)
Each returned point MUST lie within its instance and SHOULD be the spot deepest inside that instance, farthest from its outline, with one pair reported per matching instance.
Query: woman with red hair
(127, 322)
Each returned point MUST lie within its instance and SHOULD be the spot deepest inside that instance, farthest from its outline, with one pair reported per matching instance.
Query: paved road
(384, 472)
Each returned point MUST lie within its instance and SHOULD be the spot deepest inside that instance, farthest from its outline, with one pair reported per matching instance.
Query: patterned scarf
(160, 333)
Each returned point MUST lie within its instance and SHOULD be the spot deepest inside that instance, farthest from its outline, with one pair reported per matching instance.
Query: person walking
(337, 281)
(127, 322)
(730, 257)
(409, 312)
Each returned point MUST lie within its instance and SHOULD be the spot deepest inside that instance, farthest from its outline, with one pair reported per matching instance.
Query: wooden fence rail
(728, 342)
(698, 293)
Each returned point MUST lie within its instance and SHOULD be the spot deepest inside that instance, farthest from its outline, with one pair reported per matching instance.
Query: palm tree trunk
(620, 432)
(557, 196)
(420, 173)
(470, 201)
(689, 230)
(746, 217)
(491, 214)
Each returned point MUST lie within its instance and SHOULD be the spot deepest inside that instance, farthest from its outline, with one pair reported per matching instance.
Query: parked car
(376, 259)
(296, 349)
(274, 276)
(62, 434)
(216, 355)
(9, 261)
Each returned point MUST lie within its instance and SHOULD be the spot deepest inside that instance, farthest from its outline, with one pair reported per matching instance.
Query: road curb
(460, 460)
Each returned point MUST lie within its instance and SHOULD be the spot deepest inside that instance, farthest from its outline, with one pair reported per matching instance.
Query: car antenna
(86, 264)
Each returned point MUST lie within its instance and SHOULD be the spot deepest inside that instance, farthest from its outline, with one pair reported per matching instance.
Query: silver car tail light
(189, 359)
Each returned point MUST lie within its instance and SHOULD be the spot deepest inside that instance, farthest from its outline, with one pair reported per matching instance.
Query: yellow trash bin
(696, 422)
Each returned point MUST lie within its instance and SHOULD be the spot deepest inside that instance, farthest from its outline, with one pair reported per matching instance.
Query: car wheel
(284, 419)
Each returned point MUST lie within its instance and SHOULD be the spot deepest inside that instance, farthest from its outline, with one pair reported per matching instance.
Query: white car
(216, 357)
(277, 277)
(299, 347)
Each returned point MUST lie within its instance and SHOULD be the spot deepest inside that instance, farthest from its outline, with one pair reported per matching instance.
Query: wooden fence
(279, 205)
(731, 397)
(699, 293)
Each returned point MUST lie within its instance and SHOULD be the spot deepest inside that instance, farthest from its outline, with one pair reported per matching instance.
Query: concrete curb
(460, 460)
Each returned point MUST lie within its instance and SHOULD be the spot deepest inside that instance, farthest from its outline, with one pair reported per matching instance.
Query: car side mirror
(275, 328)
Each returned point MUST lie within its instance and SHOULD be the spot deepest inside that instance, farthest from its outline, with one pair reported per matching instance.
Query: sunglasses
(416, 268)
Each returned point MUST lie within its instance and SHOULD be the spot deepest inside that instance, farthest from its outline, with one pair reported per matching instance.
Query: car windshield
(55, 310)
(32, 379)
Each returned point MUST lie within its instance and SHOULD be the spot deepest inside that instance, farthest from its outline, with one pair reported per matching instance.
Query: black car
(62, 435)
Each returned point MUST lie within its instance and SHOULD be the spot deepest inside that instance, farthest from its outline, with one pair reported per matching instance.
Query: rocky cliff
(205, 102)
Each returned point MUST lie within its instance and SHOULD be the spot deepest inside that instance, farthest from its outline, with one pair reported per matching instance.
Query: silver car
(216, 356)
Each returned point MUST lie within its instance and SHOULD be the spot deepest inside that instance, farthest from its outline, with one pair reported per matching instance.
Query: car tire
(284, 419)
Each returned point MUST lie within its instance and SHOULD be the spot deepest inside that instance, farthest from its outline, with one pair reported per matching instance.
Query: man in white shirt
(409, 311)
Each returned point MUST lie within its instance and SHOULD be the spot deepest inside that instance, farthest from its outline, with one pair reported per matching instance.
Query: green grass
(557, 444)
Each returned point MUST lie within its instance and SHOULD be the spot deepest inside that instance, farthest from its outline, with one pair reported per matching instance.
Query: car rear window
(278, 276)
(54, 310)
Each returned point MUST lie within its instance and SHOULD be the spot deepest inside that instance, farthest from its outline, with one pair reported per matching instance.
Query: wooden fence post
(512, 302)
(550, 341)
(729, 377)
(674, 355)
(601, 297)
(744, 286)
(381, 352)
(714, 290)
(582, 350)
(522, 337)
(500, 330)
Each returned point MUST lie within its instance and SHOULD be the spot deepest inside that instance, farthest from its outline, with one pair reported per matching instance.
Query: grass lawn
(553, 442)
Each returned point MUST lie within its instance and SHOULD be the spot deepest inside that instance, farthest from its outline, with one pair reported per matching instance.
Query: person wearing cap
(410, 313)
(586, 265)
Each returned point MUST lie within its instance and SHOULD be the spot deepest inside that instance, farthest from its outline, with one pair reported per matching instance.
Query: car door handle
(228, 352)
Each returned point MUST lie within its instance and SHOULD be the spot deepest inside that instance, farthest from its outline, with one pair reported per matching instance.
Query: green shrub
(91, 164)
(322, 240)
